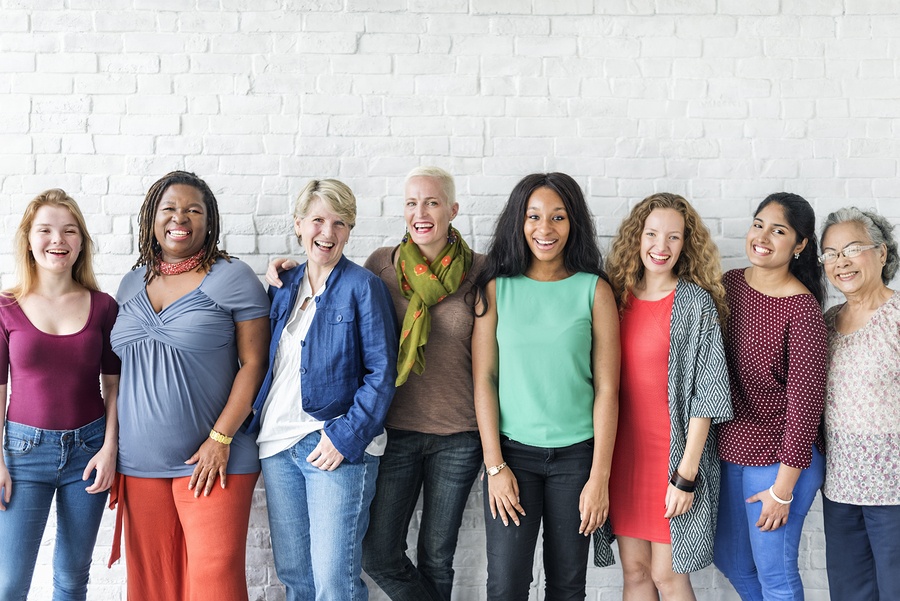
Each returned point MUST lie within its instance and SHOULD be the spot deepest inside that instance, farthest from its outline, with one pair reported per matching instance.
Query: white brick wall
(723, 101)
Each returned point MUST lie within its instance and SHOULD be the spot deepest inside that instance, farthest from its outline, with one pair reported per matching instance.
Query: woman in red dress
(665, 272)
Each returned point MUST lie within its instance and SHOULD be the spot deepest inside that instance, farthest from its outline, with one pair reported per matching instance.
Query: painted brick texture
(723, 101)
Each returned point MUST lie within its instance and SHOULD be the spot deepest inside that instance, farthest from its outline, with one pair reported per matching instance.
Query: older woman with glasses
(862, 408)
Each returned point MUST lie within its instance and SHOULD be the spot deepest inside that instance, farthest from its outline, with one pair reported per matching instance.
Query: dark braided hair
(148, 247)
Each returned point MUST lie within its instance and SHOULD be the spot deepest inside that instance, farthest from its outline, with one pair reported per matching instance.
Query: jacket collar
(295, 276)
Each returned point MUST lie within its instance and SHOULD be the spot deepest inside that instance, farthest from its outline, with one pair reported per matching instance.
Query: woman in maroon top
(61, 425)
(771, 451)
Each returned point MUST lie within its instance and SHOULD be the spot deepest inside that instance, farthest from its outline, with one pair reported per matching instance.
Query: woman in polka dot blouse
(772, 462)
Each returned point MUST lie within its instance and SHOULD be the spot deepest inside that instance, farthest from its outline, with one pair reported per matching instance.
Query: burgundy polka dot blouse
(776, 350)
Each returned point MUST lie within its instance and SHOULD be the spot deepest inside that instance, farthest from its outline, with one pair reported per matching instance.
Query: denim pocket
(91, 437)
(93, 443)
(17, 446)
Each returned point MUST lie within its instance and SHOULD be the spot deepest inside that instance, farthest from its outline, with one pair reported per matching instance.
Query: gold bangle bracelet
(219, 437)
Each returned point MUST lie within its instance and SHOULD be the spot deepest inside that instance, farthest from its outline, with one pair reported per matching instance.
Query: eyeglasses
(829, 257)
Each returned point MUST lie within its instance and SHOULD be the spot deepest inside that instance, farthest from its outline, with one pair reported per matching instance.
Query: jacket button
(302, 343)
(340, 318)
(302, 370)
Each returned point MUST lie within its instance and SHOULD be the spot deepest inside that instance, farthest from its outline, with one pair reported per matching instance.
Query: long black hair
(509, 254)
(801, 217)
(148, 246)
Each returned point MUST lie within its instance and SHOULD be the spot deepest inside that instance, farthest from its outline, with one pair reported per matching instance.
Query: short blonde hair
(445, 180)
(82, 270)
(337, 195)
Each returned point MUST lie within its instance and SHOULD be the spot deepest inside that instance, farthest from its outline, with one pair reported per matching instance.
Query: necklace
(184, 266)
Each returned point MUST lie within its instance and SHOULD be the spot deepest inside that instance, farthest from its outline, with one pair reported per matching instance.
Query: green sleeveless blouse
(544, 339)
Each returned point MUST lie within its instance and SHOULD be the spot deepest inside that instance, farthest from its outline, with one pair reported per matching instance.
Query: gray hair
(445, 180)
(879, 230)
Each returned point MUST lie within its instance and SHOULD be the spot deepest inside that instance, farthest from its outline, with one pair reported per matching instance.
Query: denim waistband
(36, 435)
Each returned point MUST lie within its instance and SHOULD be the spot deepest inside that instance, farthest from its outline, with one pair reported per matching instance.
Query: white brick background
(723, 101)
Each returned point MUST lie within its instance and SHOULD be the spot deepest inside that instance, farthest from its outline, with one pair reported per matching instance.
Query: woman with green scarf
(433, 443)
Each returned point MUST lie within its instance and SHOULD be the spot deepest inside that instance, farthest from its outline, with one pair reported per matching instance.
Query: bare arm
(502, 487)
(679, 501)
(105, 459)
(605, 358)
(276, 266)
(211, 458)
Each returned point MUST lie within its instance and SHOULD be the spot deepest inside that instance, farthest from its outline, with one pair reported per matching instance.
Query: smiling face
(860, 275)
(428, 214)
(771, 241)
(181, 224)
(323, 234)
(661, 241)
(55, 240)
(546, 226)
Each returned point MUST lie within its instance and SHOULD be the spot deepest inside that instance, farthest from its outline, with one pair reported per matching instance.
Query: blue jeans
(317, 520)
(762, 565)
(44, 463)
(550, 484)
(862, 551)
(445, 467)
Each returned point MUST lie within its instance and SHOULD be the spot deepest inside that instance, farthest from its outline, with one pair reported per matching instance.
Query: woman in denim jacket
(321, 409)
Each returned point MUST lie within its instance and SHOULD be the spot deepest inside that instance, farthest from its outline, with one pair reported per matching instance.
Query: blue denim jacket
(349, 361)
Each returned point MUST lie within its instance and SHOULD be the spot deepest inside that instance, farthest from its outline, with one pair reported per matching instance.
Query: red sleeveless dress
(640, 466)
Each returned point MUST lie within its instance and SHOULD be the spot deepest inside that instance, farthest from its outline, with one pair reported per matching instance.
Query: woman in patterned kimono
(664, 487)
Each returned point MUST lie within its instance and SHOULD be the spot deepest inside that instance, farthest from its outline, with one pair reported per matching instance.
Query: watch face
(492, 471)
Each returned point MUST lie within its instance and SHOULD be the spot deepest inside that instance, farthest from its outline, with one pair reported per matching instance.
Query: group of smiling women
(651, 400)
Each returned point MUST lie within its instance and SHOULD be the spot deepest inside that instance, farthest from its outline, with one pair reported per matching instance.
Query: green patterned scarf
(425, 286)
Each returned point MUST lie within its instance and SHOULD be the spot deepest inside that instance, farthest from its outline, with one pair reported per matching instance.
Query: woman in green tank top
(545, 362)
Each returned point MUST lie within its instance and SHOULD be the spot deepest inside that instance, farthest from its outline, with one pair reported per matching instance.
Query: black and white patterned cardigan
(698, 387)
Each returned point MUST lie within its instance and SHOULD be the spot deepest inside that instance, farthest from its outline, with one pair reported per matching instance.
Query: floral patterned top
(862, 410)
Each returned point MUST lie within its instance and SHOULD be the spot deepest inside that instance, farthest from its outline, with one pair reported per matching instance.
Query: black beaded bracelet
(682, 483)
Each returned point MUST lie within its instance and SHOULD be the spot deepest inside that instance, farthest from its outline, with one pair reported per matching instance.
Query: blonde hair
(445, 180)
(698, 263)
(337, 195)
(26, 268)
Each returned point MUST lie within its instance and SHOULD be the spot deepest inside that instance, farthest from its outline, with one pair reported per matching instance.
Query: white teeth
(178, 232)
(327, 245)
(58, 252)
(761, 250)
(544, 242)
(423, 227)
(658, 257)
